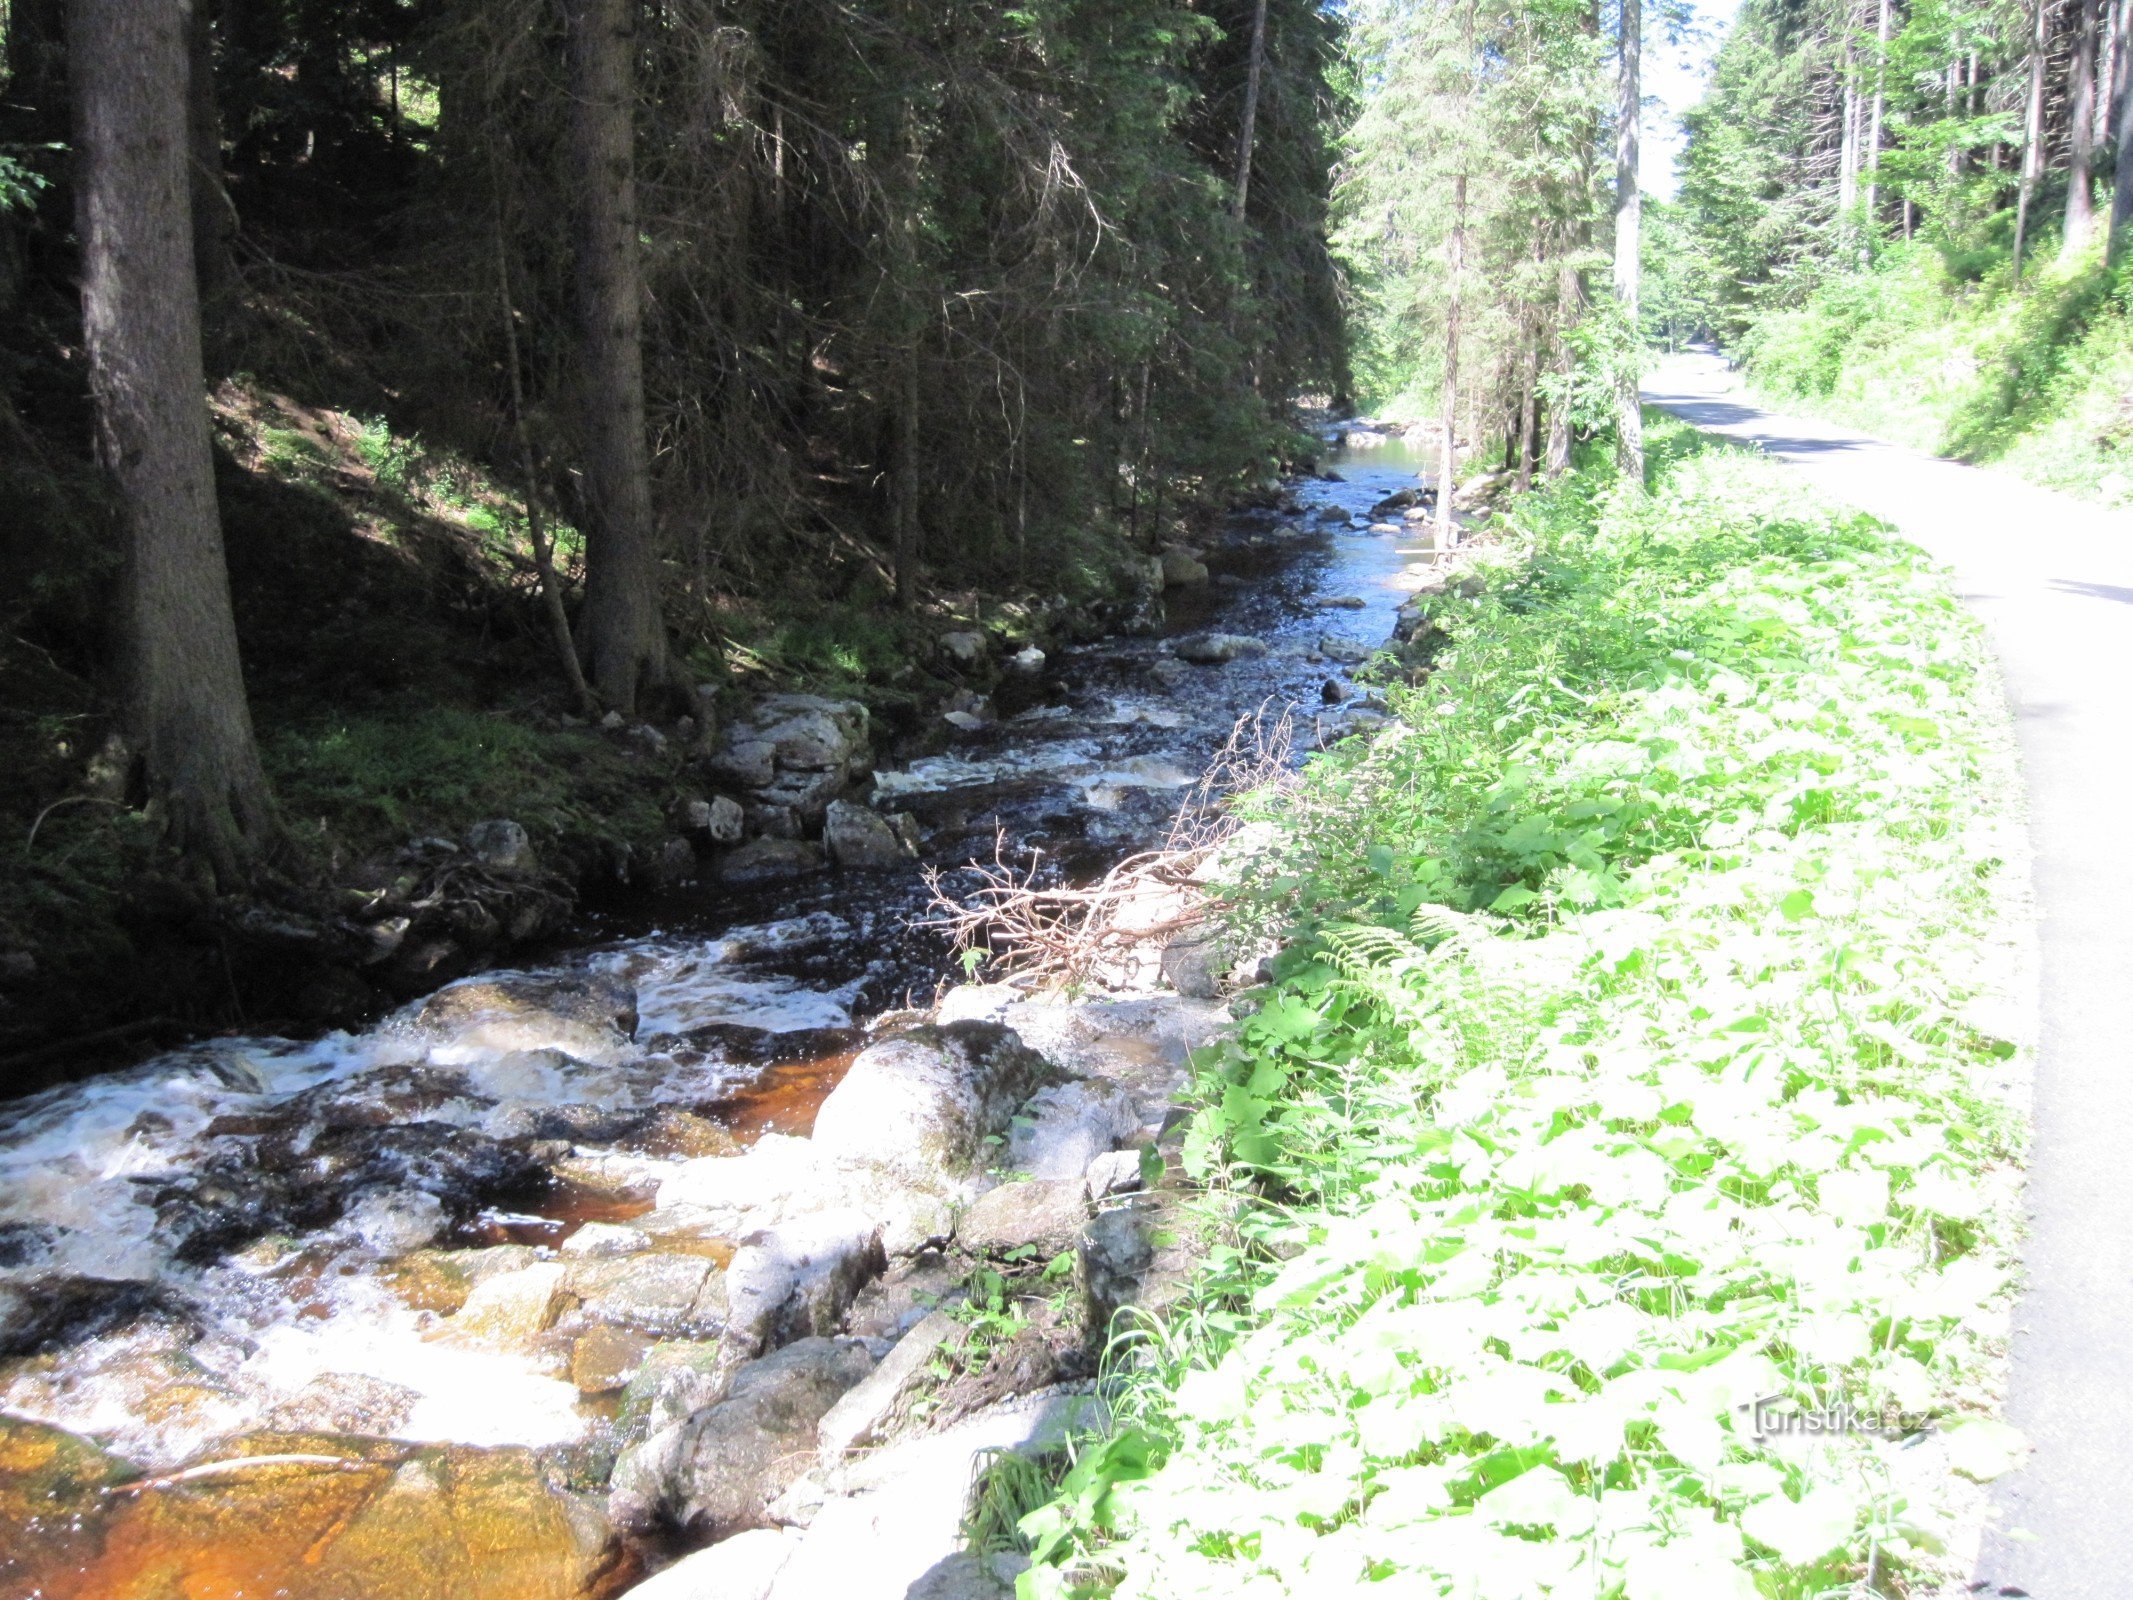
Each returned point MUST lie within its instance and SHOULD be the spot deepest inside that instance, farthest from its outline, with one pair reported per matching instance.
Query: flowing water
(251, 1236)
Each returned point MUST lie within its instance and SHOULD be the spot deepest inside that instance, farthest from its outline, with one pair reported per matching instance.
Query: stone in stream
(1181, 568)
(606, 1359)
(922, 1104)
(509, 1311)
(586, 1016)
(767, 860)
(1217, 649)
(1348, 652)
(858, 837)
(716, 1472)
(799, 1278)
(328, 1518)
(657, 1293)
(1342, 602)
(345, 1402)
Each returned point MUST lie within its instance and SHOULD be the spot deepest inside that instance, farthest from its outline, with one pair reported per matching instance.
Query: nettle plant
(1617, 1180)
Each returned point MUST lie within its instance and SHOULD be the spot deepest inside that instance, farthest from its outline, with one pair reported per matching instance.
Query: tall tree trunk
(2081, 132)
(1848, 152)
(1248, 122)
(621, 630)
(1872, 153)
(214, 221)
(2122, 182)
(1448, 455)
(185, 709)
(2032, 128)
(1629, 208)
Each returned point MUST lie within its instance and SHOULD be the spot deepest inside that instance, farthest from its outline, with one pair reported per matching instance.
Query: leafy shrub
(1630, 1064)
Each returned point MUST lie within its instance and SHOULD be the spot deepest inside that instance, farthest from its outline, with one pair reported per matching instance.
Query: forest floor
(2051, 578)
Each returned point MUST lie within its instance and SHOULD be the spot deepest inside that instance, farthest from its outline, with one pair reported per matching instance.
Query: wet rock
(668, 1295)
(743, 1567)
(1181, 568)
(1348, 652)
(1217, 649)
(1386, 528)
(1029, 661)
(52, 1490)
(1044, 1215)
(868, 1410)
(1168, 673)
(1342, 602)
(395, 1223)
(1113, 1252)
(45, 1312)
(588, 1017)
(716, 1472)
(345, 1402)
(431, 1523)
(605, 1359)
(1116, 1172)
(1332, 692)
(605, 1240)
(678, 1378)
(963, 648)
(858, 837)
(964, 721)
(441, 1280)
(1400, 501)
(1066, 1126)
(922, 1104)
(271, 1186)
(501, 845)
(509, 1311)
(797, 1280)
(767, 860)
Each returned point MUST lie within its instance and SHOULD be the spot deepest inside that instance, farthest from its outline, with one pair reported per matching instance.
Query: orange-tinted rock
(328, 1517)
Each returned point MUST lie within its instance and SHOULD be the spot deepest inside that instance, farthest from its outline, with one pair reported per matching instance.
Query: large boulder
(921, 1105)
(793, 750)
(714, 1474)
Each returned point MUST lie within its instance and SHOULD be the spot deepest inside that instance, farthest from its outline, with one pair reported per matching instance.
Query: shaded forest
(587, 360)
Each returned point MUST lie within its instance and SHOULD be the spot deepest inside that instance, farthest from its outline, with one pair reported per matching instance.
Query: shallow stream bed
(249, 1245)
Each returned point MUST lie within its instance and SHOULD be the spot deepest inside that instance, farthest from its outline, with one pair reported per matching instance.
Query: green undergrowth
(1643, 1049)
(2038, 379)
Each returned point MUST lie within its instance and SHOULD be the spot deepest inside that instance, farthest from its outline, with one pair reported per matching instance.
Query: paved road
(2053, 580)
